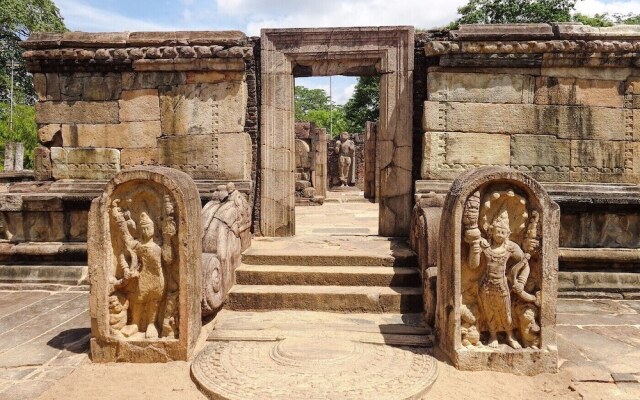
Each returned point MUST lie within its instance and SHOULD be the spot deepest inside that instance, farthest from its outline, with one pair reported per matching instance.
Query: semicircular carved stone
(226, 221)
(497, 273)
(144, 265)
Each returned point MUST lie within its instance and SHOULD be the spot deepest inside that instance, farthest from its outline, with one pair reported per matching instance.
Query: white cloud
(82, 17)
(295, 13)
(591, 7)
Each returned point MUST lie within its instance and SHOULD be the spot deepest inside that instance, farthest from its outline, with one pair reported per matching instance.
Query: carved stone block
(226, 221)
(497, 274)
(144, 267)
(203, 108)
(84, 163)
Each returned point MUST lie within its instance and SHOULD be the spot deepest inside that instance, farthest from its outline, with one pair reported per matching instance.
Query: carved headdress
(501, 220)
(145, 220)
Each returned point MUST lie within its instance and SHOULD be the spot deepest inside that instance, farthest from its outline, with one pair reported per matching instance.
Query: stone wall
(558, 102)
(110, 101)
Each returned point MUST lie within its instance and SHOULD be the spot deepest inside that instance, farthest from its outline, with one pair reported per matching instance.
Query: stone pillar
(19, 157)
(9, 156)
(319, 176)
(497, 274)
(370, 129)
(145, 268)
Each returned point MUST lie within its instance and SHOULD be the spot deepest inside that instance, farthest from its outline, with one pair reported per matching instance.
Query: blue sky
(251, 15)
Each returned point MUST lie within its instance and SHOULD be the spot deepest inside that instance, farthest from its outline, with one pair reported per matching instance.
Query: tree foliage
(314, 105)
(24, 129)
(18, 19)
(514, 11)
(364, 105)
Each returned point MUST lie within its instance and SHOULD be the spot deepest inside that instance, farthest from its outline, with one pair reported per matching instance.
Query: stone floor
(339, 217)
(44, 344)
(44, 338)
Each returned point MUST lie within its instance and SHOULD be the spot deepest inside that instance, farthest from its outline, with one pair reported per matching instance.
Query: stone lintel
(43, 40)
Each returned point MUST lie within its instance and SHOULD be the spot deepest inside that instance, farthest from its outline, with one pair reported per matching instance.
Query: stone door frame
(383, 51)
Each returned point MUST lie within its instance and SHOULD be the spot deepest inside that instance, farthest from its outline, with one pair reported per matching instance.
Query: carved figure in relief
(226, 220)
(468, 329)
(346, 149)
(143, 262)
(502, 299)
(118, 309)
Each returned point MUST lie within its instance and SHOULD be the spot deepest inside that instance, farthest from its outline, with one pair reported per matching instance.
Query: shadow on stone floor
(74, 340)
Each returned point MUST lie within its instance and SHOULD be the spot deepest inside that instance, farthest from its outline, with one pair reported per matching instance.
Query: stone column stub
(496, 297)
(145, 269)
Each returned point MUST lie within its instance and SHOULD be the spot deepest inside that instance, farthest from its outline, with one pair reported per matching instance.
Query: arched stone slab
(486, 283)
(145, 267)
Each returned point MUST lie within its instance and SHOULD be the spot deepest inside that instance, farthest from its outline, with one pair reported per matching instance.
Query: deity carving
(346, 150)
(497, 279)
(144, 298)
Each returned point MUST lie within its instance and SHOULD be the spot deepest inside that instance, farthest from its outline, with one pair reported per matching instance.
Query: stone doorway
(289, 53)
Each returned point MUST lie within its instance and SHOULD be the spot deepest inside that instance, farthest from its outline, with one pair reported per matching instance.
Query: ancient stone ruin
(311, 164)
(226, 220)
(145, 269)
(529, 131)
(497, 273)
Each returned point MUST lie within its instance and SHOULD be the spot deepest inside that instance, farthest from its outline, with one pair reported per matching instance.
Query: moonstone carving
(145, 272)
(497, 274)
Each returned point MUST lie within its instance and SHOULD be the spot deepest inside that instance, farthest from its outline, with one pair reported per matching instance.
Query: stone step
(54, 274)
(380, 328)
(43, 252)
(373, 299)
(400, 256)
(326, 276)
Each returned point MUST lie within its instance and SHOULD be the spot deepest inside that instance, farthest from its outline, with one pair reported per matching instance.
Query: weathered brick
(480, 88)
(571, 91)
(124, 135)
(204, 108)
(540, 150)
(570, 122)
(80, 112)
(139, 105)
(82, 163)
(134, 157)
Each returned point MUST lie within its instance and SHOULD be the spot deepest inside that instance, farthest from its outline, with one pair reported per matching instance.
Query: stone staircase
(354, 280)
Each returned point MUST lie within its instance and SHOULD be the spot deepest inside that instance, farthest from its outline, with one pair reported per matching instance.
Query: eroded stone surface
(226, 221)
(145, 274)
(313, 368)
(497, 285)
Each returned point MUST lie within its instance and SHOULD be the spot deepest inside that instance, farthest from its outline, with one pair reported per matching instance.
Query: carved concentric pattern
(312, 368)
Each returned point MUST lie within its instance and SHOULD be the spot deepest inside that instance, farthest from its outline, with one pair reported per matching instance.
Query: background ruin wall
(559, 102)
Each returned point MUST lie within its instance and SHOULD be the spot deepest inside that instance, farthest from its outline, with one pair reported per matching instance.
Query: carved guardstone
(145, 267)
(497, 274)
(226, 221)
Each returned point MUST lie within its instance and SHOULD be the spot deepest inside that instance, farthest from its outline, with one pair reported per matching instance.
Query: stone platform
(315, 355)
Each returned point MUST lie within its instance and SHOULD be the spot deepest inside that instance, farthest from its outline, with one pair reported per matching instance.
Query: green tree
(514, 11)
(364, 105)
(604, 20)
(307, 100)
(18, 19)
(24, 130)
(333, 121)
